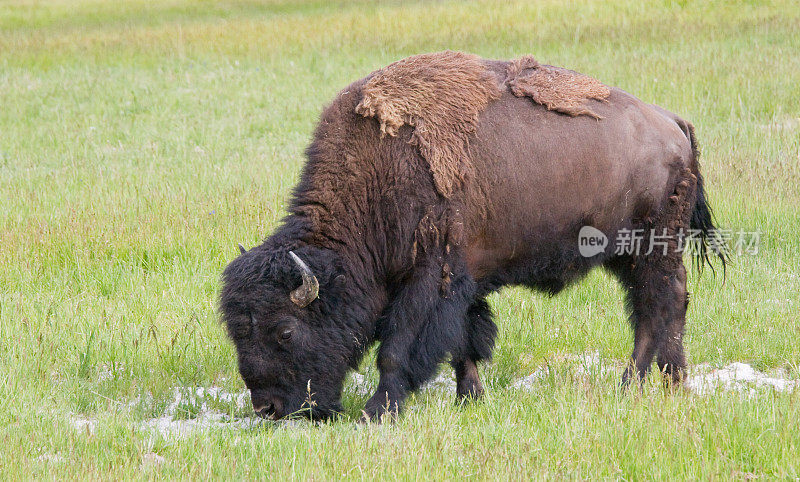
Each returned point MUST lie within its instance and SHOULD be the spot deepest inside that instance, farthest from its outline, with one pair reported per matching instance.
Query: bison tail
(702, 220)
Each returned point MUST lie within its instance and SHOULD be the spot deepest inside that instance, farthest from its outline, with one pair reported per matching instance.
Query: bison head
(284, 312)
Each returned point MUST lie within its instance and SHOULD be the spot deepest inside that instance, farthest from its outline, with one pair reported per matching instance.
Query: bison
(440, 179)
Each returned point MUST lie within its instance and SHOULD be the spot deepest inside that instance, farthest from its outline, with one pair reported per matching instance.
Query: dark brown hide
(548, 174)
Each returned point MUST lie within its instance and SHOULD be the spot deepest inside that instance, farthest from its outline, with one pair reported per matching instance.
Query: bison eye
(286, 334)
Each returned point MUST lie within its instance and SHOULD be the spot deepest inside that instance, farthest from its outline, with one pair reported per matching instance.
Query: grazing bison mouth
(267, 406)
(272, 407)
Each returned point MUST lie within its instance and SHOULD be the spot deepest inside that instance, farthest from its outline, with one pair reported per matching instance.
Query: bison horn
(309, 290)
(241, 248)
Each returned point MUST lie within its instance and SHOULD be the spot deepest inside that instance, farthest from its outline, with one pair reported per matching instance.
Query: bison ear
(241, 249)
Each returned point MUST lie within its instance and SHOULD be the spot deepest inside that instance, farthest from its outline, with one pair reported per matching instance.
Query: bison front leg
(423, 323)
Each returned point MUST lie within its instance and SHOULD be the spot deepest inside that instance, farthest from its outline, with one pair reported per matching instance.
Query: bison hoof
(674, 379)
(379, 415)
(468, 390)
(380, 409)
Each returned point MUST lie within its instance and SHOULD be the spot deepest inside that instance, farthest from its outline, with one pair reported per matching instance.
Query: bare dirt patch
(197, 409)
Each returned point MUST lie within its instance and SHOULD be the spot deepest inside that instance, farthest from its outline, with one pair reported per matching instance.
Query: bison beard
(436, 181)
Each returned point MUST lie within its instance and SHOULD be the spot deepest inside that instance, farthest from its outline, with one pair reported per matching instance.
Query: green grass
(139, 144)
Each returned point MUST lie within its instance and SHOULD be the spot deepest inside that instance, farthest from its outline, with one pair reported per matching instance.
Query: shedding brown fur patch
(440, 95)
(557, 89)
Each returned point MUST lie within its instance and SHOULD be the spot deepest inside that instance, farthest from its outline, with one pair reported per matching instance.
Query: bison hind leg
(656, 283)
(656, 300)
(468, 380)
(481, 333)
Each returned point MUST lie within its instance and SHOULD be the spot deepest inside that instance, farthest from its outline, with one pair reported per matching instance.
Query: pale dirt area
(194, 409)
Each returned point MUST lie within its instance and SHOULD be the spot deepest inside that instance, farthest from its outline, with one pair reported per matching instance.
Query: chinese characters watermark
(636, 242)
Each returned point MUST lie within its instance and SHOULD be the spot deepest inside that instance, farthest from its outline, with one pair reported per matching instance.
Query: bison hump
(441, 95)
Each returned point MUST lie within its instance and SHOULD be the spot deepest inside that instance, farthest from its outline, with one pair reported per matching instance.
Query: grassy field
(139, 143)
